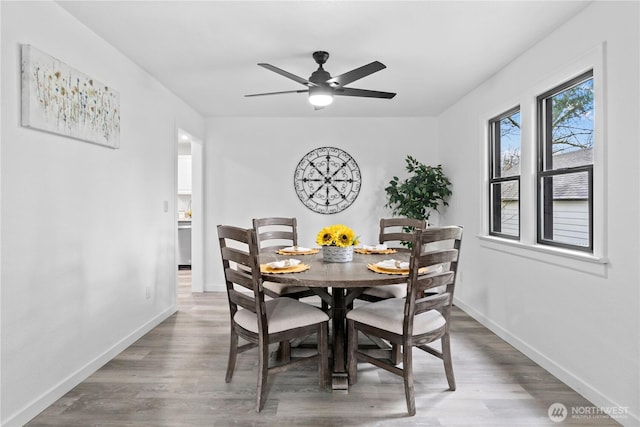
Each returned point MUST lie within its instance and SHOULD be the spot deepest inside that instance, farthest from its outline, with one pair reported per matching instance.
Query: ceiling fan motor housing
(320, 76)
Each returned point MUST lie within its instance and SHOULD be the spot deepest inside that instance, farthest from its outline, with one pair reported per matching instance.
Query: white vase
(337, 253)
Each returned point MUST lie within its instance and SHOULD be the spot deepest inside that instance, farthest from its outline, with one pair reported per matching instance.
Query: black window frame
(544, 210)
(495, 179)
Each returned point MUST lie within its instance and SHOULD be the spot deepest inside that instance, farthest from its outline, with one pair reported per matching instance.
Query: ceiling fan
(322, 87)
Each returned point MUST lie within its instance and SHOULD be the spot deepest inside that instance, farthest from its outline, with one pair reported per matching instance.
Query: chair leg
(323, 352)
(233, 354)
(284, 351)
(407, 373)
(263, 372)
(446, 358)
(396, 353)
(352, 352)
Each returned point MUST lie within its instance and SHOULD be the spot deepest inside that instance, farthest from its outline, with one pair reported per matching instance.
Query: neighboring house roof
(573, 158)
(565, 187)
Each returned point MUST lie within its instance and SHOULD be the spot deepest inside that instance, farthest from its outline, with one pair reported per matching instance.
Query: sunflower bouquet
(337, 235)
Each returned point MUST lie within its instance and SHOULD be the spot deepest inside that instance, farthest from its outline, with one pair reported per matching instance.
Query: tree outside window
(504, 170)
(565, 164)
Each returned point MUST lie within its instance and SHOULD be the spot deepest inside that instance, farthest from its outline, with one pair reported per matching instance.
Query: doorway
(189, 203)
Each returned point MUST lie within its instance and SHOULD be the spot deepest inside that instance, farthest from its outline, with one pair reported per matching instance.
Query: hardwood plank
(174, 377)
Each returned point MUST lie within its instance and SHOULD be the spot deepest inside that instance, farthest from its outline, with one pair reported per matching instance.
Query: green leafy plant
(422, 192)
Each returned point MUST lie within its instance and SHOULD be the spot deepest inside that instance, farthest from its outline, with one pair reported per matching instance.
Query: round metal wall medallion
(327, 180)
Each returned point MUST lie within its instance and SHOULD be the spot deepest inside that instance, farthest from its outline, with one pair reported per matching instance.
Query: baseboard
(48, 398)
(584, 389)
(215, 287)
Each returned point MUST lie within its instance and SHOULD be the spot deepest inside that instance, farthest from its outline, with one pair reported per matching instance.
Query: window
(504, 175)
(558, 191)
(565, 165)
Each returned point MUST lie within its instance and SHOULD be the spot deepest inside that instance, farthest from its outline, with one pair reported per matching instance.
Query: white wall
(84, 232)
(250, 165)
(578, 320)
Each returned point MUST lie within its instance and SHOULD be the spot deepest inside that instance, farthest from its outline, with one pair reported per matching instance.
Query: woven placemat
(403, 271)
(309, 252)
(375, 251)
(264, 268)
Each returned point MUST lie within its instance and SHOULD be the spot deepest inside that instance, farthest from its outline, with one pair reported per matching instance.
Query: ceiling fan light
(320, 96)
(320, 100)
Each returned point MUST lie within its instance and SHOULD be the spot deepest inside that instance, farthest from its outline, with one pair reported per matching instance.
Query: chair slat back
(242, 300)
(239, 251)
(399, 229)
(437, 249)
(276, 232)
(424, 282)
(438, 256)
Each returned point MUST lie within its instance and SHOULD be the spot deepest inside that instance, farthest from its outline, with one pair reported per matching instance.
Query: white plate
(295, 249)
(381, 247)
(285, 263)
(392, 264)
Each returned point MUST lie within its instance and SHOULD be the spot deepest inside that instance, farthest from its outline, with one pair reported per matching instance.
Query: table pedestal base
(340, 381)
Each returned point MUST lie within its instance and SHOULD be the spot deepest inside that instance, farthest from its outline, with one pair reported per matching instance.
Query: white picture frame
(58, 98)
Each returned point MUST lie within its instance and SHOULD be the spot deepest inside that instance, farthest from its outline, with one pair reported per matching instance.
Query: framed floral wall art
(60, 99)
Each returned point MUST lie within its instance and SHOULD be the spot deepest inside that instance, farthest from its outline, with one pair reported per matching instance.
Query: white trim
(215, 287)
(197, 222)
(593, 59)
(575, 260)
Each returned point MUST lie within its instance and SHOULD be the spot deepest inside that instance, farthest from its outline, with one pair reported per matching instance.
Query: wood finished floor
(174, 376)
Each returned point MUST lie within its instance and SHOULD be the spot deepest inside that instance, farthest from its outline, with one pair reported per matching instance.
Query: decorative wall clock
(327, 180)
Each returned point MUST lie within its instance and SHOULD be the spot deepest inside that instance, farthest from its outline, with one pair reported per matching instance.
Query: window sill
(574, 260)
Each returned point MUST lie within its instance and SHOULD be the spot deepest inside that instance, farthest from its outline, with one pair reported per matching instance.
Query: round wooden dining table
(346, 281)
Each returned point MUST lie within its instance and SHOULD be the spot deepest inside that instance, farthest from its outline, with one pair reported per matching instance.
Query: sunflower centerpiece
(337, 243)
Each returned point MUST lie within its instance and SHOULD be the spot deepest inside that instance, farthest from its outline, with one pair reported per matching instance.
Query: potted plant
(426, 188)
(337, 243)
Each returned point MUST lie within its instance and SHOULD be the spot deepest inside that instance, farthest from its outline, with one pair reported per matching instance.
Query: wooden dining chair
(393, 232)
(417, 320)
(276, 233)
(261, 322)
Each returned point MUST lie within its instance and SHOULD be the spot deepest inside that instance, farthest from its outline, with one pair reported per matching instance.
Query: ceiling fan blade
(287, 74)
(349, 91)
(356, 74)
(278, 93)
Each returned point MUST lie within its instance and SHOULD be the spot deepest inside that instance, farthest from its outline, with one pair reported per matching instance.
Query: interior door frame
(197, 219)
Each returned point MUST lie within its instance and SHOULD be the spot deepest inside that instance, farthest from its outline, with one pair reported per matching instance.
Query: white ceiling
(435, 51)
